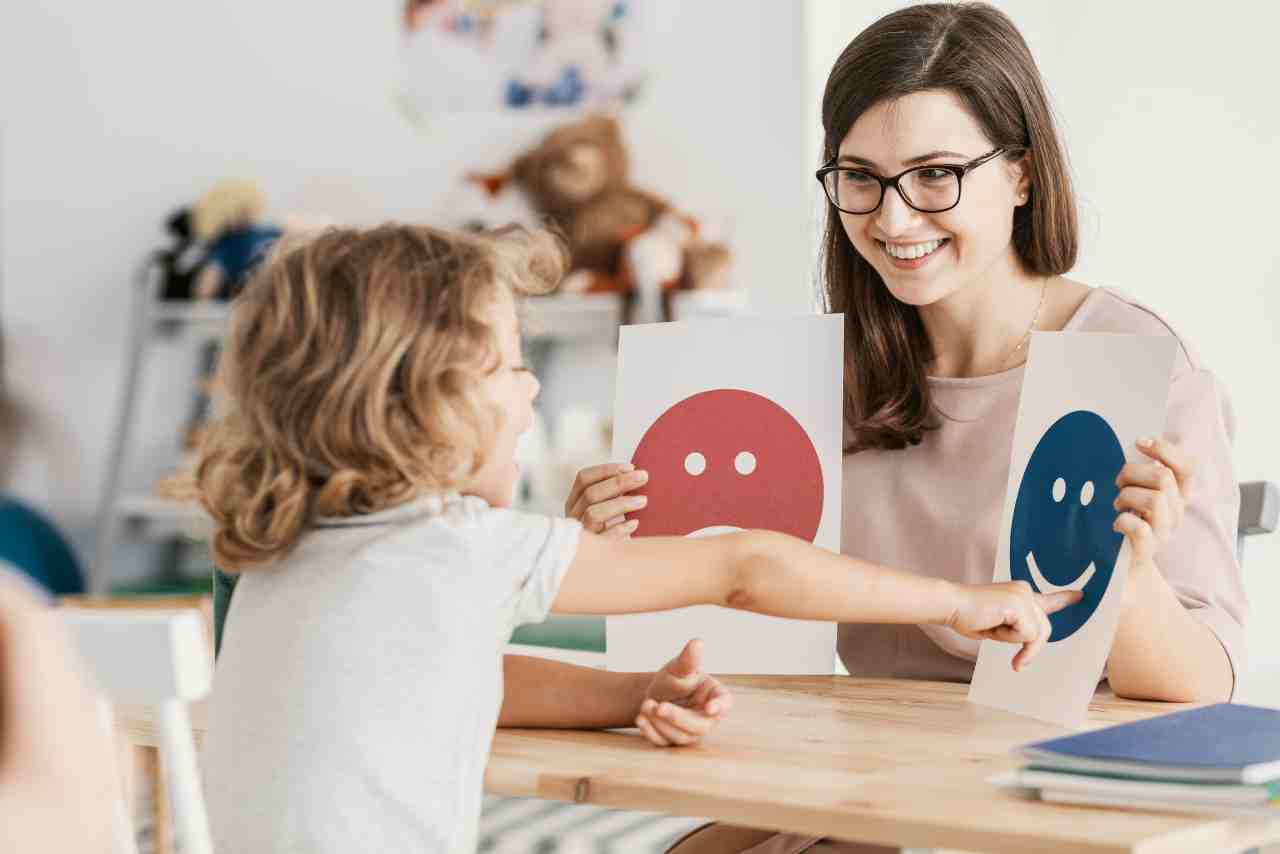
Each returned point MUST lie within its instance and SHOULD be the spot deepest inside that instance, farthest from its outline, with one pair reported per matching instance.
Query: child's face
(512, 388)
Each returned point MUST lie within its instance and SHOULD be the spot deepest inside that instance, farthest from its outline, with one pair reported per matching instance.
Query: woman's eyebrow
(854, 160)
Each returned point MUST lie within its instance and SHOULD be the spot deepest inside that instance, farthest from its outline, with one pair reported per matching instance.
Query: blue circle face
(1062, 537)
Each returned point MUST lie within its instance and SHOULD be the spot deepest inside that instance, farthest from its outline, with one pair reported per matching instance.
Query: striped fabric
(532, 826)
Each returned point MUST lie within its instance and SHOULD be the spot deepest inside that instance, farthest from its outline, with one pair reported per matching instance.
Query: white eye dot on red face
(1086, 493)
(1059, 490)
(695, 464)
(745, 463)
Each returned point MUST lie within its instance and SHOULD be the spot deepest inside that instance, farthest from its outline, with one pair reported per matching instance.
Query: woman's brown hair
(976, 53)
(352, 372)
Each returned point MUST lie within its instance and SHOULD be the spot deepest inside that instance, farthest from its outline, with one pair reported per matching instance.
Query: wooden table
(887, 761)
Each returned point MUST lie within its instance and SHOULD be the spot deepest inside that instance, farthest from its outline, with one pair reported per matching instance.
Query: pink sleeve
(1199, 561)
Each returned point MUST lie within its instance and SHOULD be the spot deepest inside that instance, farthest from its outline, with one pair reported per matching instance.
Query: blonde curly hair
(352, 371)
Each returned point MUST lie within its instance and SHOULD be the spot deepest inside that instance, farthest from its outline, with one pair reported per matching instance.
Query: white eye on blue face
(1086, 493)
(1059, 490)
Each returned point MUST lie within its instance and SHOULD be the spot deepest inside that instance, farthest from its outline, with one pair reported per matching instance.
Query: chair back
(159, 660)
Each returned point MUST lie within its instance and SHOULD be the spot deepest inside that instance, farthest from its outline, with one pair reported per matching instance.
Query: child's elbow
(752, 555)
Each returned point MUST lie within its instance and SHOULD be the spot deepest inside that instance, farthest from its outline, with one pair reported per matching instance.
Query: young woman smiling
(951, 221)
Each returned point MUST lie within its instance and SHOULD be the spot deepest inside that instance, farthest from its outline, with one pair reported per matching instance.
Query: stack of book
(1221, 760)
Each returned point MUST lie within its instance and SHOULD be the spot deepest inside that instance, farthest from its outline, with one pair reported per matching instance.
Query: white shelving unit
(561, 317)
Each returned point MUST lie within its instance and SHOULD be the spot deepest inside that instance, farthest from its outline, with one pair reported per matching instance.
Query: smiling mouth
(1046, 587)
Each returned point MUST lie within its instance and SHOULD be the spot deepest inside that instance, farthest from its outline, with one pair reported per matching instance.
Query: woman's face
(975, 236)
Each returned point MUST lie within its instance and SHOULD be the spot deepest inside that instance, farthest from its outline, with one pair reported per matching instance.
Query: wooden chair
(160, 660)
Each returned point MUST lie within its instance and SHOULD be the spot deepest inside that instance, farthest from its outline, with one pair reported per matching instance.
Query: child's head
(364, 368)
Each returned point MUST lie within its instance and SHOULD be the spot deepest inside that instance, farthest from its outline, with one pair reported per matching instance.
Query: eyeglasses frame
(957, 169)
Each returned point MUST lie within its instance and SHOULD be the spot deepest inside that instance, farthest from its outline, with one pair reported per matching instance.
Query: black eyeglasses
(928, 189)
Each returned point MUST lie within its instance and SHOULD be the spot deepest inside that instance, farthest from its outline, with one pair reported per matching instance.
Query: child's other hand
(1009, 612)
(682, 704)
(599, 498)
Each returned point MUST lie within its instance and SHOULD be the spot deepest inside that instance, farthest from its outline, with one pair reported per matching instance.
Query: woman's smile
(912, 256)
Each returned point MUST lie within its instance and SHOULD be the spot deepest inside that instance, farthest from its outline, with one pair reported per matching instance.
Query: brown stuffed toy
(621, 239)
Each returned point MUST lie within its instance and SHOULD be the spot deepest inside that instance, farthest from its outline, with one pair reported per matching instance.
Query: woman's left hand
(1153, 497)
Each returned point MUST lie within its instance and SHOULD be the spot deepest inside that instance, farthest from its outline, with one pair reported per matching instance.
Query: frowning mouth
(1046, 587)
(713, 531)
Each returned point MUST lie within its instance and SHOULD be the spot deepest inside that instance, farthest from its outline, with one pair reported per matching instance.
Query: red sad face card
(738, 423)
(729, 459)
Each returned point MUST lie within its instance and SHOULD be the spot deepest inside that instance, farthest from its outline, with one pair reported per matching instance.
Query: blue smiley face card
(1086, 399)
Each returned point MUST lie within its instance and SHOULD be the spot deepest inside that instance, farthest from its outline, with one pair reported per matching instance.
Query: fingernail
(626, 467)
(1145, 442)
(642, 476)
(640, 501)
(712, 708)
(664, 711)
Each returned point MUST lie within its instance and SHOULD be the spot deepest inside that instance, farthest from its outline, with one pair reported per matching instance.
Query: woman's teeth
(911, 251)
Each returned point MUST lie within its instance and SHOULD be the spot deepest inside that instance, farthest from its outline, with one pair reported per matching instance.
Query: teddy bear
(621, 239)
(227, 220)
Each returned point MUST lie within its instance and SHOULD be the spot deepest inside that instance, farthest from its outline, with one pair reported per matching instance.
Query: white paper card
(739, 424)
(1086, 399)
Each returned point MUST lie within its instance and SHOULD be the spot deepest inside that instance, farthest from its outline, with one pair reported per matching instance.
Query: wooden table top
(875, 760)
(894, 762)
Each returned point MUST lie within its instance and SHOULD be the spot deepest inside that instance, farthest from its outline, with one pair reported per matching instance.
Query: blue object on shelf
(32, 545)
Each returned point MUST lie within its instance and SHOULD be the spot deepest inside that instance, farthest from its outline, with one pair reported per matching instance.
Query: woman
(951, 221)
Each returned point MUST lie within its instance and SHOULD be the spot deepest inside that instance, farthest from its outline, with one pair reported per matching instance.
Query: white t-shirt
(360, 678)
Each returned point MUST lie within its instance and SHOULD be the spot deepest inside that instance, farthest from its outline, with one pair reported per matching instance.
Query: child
(361, 484)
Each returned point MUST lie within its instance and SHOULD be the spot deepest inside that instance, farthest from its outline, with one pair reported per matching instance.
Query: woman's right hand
(599, 498)
(1009, 612)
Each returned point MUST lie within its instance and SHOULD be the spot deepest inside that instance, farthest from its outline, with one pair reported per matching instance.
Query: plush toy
(227, 219)
(621, 239)
(179, 263)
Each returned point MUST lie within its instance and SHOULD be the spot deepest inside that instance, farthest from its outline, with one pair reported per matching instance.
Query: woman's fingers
(1166, 451)
(1139, 532)
(589, 477)
(1160, 511)
(1150, 475)
(614, 486)
(597, 517)
(620, 527)
(606, 497)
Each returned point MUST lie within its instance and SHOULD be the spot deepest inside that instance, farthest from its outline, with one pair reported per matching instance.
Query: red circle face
(729, 458)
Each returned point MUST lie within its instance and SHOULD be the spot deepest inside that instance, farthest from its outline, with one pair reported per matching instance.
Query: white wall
(1171, 123)
(114, 114)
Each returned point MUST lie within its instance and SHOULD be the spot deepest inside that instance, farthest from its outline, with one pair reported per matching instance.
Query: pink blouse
(935, 508)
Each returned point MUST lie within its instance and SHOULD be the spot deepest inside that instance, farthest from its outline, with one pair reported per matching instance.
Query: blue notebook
(1223, 743)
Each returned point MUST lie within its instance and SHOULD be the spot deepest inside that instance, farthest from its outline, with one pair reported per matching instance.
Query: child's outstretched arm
(772, 573)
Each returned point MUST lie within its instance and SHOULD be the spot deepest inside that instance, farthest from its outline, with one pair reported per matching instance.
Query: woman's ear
(1022, 171)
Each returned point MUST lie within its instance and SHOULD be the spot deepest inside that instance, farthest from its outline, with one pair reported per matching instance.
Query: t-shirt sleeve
(1199, 561)
(528, 556)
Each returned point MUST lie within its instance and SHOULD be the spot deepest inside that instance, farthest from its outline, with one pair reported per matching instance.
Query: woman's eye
(856, 179)
(937, 175)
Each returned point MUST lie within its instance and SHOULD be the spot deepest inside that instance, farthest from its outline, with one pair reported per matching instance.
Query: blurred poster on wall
(526, 55)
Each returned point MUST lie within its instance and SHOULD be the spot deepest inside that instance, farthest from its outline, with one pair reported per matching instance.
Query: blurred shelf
(205, 318)
(152, 516)
(564, 317)
(558, 317)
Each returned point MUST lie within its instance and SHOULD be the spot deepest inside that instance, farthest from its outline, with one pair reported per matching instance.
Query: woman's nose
(895, 216)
